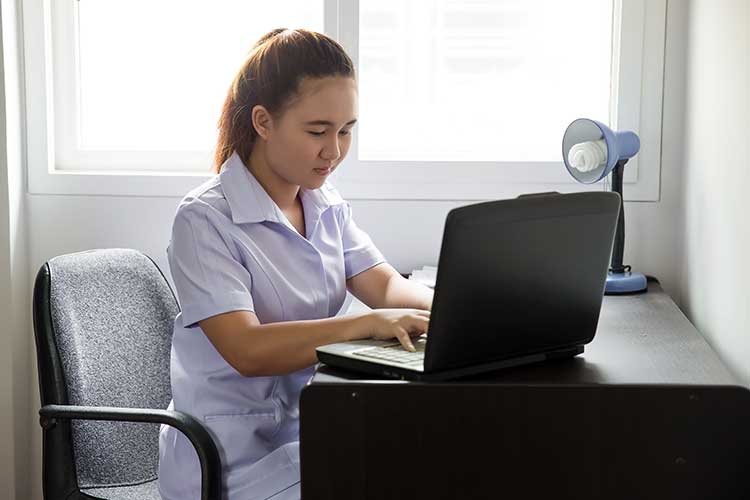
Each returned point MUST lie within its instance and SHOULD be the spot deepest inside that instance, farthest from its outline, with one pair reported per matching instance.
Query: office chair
(103, 329)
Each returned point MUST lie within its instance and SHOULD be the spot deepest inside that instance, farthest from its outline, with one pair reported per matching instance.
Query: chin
(315, 184)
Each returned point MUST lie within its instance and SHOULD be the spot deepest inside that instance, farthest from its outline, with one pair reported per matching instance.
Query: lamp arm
(618, 249)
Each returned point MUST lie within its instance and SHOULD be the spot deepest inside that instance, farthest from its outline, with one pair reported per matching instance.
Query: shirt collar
(249, 201)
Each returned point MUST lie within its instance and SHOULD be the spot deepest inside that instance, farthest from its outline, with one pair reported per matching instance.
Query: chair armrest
(192, 428)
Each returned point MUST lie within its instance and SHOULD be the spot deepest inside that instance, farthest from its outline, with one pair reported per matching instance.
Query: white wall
(15, 309)
(715, 274)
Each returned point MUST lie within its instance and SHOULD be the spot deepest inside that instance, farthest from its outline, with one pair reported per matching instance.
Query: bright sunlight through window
(480, 80)
(154, 74)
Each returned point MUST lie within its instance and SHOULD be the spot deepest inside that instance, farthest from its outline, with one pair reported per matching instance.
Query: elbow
(250, 368)
(245, 371)
(246, 366)
(249, 359)
(257, 367)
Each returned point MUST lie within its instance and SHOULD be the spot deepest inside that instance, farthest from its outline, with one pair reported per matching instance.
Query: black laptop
(518, 281)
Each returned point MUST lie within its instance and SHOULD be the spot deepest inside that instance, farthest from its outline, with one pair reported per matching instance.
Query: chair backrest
(103, 323)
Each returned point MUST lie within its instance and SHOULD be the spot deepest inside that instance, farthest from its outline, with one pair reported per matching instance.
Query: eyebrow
(326, 122)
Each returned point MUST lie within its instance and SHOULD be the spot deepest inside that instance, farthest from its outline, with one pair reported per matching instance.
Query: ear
(262, 121)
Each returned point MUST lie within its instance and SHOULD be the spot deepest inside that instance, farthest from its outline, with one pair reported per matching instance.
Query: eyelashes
(318, 134)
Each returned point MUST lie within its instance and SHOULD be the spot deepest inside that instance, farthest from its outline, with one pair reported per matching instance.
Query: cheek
(279, 155)
(344, 146)
(301, 147)
(310, 148)
(290, 150)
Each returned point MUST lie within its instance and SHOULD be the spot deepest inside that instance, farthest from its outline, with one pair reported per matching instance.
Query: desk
(647, 411)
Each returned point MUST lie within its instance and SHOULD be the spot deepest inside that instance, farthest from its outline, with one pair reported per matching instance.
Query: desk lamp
(591, 150)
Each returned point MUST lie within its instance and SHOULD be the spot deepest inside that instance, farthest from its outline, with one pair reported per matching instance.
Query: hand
(401, 324)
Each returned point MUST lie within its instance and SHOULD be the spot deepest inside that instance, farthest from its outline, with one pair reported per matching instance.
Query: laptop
(518, 281)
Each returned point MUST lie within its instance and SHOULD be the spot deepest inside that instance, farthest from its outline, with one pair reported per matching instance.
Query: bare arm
(382, 286)
(285, 347)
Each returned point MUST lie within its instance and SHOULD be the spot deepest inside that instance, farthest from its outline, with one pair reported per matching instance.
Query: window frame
(639, 49)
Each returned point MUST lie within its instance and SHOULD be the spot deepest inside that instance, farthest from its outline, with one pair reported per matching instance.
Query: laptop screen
(520, 276)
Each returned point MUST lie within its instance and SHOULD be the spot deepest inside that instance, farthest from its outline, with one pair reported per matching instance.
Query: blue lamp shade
(599, 149)
(591, 151)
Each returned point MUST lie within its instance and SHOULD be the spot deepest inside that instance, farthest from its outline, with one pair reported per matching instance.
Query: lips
(323, 171)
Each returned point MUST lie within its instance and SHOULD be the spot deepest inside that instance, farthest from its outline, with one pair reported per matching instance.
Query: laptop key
(394, 353)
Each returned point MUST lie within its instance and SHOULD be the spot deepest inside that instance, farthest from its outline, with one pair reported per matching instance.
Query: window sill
(176, 185)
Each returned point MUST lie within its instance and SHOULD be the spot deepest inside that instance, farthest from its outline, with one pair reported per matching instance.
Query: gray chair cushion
(145, 491)
(112, 313)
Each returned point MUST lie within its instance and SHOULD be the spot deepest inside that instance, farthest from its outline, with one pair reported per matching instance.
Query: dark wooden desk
(647, 411)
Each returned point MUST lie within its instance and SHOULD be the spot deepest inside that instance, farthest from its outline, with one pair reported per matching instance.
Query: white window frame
(639, 48)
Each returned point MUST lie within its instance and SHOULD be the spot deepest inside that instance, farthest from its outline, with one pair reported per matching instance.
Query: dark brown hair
(270, 76)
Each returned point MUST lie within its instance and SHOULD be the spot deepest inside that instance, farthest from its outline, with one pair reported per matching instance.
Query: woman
(262, 255)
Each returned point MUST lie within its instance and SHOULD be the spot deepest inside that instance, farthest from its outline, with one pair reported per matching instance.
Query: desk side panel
(427, 441)
(334, 442)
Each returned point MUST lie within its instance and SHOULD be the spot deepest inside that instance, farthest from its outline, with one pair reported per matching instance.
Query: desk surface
(640, 339)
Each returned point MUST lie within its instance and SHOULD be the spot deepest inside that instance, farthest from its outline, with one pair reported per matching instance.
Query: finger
(418, 324)
(421, 312)
(403, 337)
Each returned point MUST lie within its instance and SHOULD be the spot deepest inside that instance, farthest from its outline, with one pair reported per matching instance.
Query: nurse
(261, 256)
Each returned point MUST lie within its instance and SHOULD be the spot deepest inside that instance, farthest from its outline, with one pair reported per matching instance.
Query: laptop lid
(520, 276)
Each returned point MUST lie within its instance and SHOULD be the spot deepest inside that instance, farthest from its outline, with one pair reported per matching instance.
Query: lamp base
(622, 283)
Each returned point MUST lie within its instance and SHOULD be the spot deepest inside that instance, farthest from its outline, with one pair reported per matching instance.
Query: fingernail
(411, 347)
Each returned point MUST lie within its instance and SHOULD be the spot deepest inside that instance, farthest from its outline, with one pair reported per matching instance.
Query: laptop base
(394, 372)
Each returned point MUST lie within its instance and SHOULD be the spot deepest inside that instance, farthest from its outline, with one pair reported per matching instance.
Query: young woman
(262, 255)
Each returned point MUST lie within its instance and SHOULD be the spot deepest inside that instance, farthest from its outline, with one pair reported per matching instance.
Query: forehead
(331, 98)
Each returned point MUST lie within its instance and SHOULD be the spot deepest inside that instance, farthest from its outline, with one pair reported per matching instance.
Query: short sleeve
(208, 278)
(360, 253)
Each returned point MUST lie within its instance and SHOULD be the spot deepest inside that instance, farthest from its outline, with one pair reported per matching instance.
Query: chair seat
(144, 491)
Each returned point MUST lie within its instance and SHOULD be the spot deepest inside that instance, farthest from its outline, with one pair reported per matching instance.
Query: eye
(318, 134)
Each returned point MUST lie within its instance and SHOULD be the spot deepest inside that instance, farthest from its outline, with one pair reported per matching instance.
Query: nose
(331, 150)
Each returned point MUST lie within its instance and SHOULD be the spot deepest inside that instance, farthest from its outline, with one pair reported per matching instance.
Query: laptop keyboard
(395, 353)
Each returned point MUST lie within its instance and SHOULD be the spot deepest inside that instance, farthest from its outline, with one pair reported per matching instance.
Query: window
(135, 92)
(480, 80)
(459, 99)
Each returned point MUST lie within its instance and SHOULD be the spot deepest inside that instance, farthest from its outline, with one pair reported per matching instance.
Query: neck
(280, 191)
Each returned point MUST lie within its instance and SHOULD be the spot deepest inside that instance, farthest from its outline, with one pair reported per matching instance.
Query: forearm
(285, 347)
(401, 292)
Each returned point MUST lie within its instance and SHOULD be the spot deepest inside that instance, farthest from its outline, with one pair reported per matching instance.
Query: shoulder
(331, 194)
(335, 202)
(206, 200)
(201, 221)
